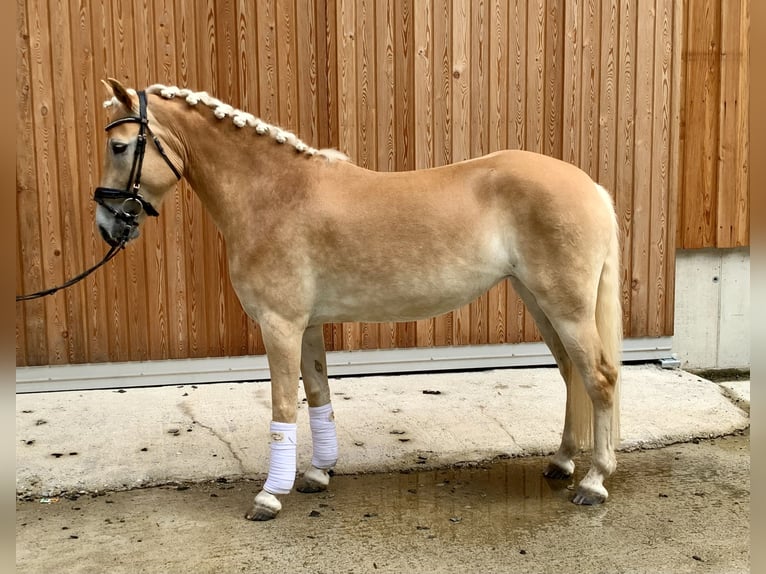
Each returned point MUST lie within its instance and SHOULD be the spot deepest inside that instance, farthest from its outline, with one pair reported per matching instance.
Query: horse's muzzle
(118, 232)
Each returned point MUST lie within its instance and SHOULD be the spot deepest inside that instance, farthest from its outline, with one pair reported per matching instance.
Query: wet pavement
(681, 508)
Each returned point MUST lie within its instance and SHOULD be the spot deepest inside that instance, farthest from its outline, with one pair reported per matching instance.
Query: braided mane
(241, 119)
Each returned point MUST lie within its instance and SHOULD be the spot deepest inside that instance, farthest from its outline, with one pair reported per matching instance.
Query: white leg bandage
(282, 465)
(323, 437)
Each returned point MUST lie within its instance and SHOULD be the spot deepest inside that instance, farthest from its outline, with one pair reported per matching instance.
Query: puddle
(683, 508)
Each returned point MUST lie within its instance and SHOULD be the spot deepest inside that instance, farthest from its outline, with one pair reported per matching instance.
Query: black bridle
(133, 203)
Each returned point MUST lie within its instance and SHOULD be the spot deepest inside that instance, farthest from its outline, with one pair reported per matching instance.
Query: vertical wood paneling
(714, 195)
(396, 84)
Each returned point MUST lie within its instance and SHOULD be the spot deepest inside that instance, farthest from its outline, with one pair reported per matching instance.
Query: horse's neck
(237, 173)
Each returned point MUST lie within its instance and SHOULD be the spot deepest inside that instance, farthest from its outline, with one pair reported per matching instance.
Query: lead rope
(112, 252)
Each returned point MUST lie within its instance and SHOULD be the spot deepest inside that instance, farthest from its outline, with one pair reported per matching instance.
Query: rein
(112, 252)
(134, 203)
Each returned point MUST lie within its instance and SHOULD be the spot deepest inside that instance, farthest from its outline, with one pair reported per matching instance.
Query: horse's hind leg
(321, 417)
(562, 463)
(585, 349)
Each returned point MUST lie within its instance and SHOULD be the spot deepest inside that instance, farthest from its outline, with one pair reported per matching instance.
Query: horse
(313, 238)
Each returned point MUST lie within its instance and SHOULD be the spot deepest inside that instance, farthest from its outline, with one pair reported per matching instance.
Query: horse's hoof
(265, 507)
(313, 480)
(586, 497)
(555, 472)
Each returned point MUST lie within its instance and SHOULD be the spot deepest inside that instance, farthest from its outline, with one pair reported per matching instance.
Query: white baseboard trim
(340, 364)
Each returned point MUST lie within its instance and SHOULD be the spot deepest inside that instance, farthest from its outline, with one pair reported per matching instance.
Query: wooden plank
(535, 108)
(727, 123)
(742, 200)
(732, 145)
(517, 77)
(267, 61)
(572, 81)
(700, 139)
(675, 155)
(306, 71)
(384, 47)
(247, 53)
(660, 173)
(286, 64)
(327, 79)
(642, 169)
(625, 151)
(590, 89)
(404, 80)
(71, 64)
(31, 343)
(554, 74)
(88, 96)
(606, 169)
(47, 179)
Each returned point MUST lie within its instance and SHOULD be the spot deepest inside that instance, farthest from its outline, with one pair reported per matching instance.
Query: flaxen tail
(609, 325)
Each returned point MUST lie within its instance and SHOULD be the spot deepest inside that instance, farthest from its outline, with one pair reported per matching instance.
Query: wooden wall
(397, 84)
(714, 192)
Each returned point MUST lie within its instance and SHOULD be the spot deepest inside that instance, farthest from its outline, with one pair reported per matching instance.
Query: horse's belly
(406, 300)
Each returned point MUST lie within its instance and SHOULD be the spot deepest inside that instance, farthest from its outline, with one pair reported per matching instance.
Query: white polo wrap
(282, 465)
(323, 436)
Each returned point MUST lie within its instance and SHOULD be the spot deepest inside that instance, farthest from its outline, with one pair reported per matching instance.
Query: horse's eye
(119, 147)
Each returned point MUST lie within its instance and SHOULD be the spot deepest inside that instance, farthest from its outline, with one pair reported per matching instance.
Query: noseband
(133, 203)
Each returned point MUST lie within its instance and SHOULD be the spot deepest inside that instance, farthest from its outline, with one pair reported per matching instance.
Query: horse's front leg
(324, 439)
(282, 340)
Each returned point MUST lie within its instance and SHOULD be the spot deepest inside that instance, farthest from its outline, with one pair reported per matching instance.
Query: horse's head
(138, 168)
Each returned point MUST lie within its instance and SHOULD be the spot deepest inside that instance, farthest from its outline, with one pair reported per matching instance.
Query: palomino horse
(312, 238)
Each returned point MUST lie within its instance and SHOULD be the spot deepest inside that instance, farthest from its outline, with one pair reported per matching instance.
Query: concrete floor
(682, 508)
(157, 480)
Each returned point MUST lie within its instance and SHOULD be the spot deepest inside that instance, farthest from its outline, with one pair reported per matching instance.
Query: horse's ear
(120, 92)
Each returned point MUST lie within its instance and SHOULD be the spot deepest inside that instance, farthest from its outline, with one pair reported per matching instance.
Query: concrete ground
(436, 504)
